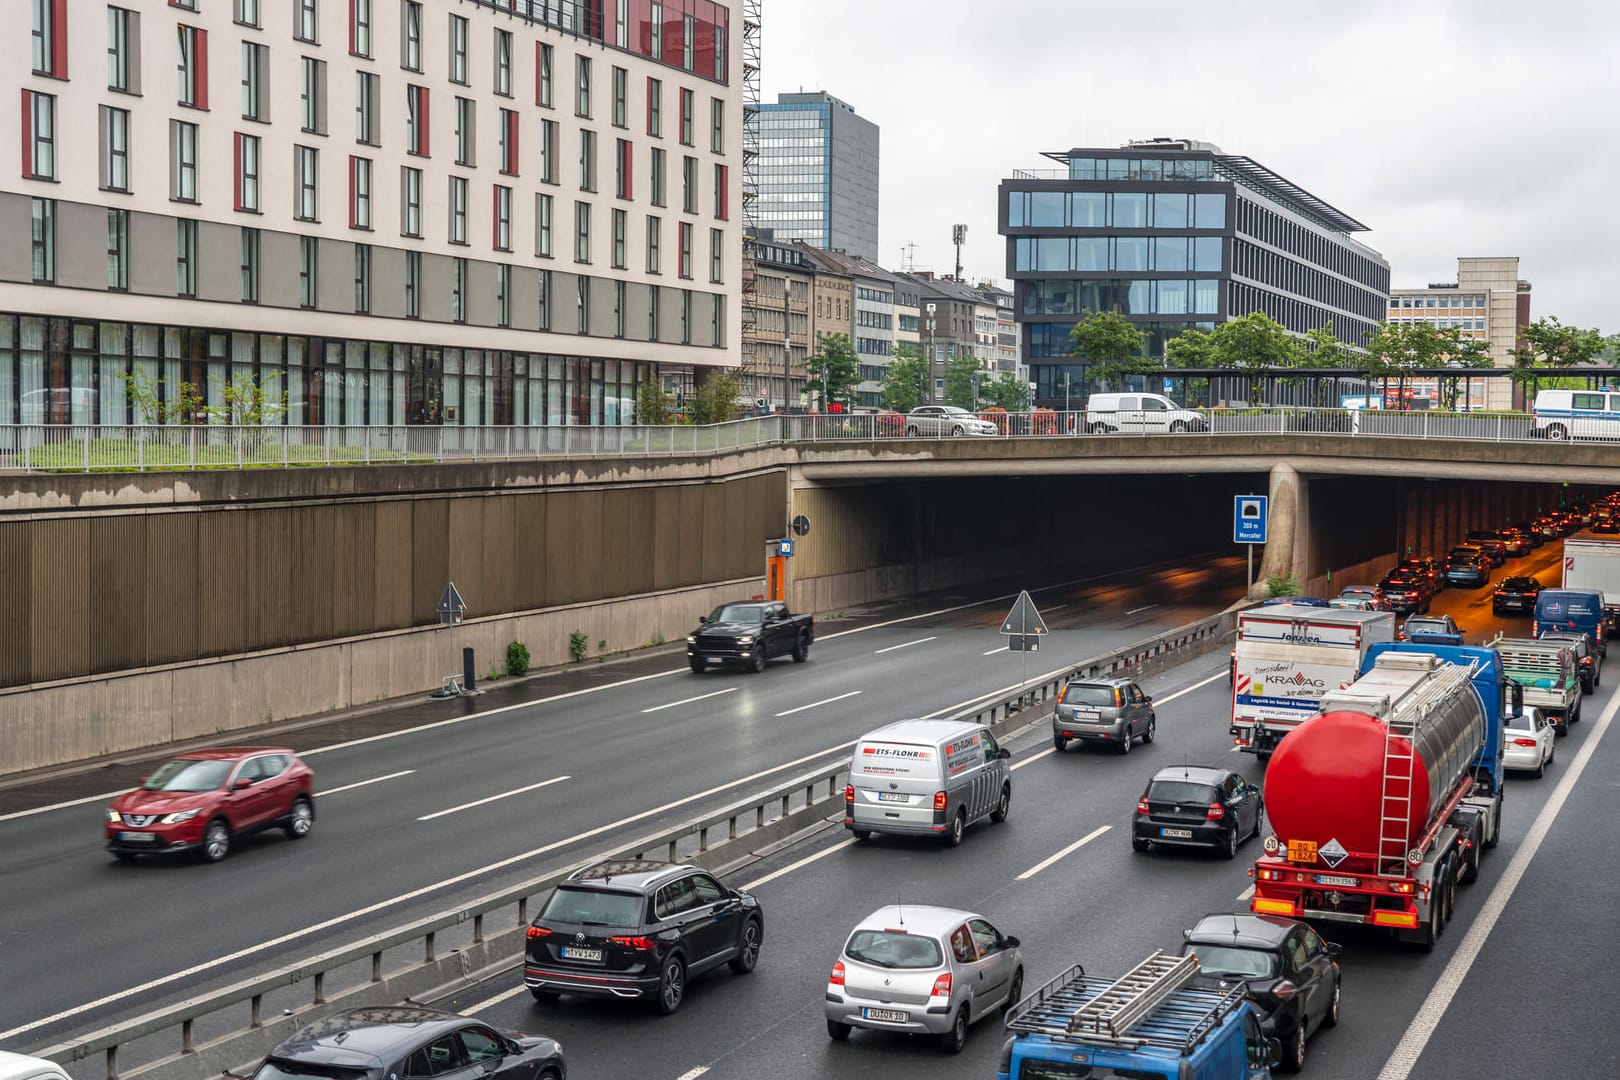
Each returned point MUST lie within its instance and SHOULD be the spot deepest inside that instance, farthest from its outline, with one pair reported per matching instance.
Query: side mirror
(703, 620)
(1334, 949)
(1004, 753)
(1186, 935)
(1147, 699)
(1010, 941)
(242, 783)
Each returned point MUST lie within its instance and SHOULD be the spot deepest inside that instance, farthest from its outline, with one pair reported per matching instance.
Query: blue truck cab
(1578, 611)
(1150, 1024)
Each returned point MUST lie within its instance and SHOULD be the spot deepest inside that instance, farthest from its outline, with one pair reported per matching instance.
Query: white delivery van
(1140, 414)
(926, 778)
(19, 1067)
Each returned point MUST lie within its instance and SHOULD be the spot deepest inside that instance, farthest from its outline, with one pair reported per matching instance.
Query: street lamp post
(1065, 391)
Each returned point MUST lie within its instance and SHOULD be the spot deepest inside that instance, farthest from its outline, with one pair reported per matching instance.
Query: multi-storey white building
(395, 211)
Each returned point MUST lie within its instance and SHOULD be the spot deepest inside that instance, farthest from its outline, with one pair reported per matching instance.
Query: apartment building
(1488, 302)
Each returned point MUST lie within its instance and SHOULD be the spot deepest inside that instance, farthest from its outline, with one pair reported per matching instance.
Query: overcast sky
(1450, 127)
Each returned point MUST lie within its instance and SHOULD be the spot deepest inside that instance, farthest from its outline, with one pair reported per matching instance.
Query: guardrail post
(112, 1063)
(376, 967)
(523, 911)
(731, 828)
(430, 953)
(672, 850)
(478, 929)
(320, 984)
(703, 838)
(256, 1011)
(185, 1037)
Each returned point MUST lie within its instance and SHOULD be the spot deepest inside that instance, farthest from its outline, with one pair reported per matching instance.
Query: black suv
(1197, 806)
(1291, 974)
(1516, 594)
(373, 1043)
(1405, 594)
(639, 929)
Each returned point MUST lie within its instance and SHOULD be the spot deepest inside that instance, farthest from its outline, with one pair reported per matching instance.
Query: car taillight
(537, 931)
(849, 794)
(1142, 805)
(837, 976)
(644, 944)
(942, 986)
(1284, 990)
(1269, 875)
(1524, 742)
(939, 800)
(1063, 693)
(1216, 812)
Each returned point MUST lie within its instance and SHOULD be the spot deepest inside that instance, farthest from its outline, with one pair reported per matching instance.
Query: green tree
(1325, 350)
(1395, 350)
(835, 359)
(146, 394)
(905, 378)
(1549, 344)
(246, 402)
(1006, 390)
(1253, 343)
(654, 405)
(1189, 349)
(1110, 346)
(715, 402)
(960, 373)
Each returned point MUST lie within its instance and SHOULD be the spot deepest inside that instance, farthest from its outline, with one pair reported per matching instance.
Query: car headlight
(183, 815)
(746, 639)
(113, 816)
(691, 639)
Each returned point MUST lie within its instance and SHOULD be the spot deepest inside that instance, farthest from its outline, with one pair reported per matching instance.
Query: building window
(305, 21)
(655, 40)
(50, 38)
(686, 316)
(185, 258)
(255, 82)
(509, 142)
(308, 265)
(123, 56)
(582, 232)
(654, 262)
(458, 210)
(542, 75)
(621, 97)
(619, 227)
(466, 131)
(652, 313)
(410, 200)
(686, 116)
(688, 40)
(416, 120)
(582, 81)
(366, 88)
(114, 149)
(655, 108)
(39, 135)
(717, 326)
(583, 303)
(458, 50)
(312, 95)
(503, 63)
(250, 266)
(689, 193)
(410, 38)
(618, 309)
(717, 247)
(624, 162)
(306, 177)
(360, 28)
(685, 235)
(118, 250)
(193, 66)
(247, 13)
(720, 74)
(44, 241)
(587, 160)
(548, 151)
(362, 279)
(458, 290)
(247, 172)
(413, 284)
(717, 125)
(503, 295)
(503, 218)
(542, 225)
(545, 299)
(359, 192)
(658, 176)
(182, 161)
(722, 192)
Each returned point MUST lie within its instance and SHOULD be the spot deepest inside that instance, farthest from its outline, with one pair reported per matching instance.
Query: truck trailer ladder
(1395, 806)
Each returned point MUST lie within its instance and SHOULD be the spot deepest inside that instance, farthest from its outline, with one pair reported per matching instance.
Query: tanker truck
(1384, 801)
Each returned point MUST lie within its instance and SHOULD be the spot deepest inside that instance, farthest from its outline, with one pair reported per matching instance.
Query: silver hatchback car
(923, 970)
(1107, 710)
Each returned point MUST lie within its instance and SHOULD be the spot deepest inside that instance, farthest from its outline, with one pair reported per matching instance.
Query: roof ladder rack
(1110, 1014)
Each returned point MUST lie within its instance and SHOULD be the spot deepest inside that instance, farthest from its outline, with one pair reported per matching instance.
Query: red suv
(204, 799)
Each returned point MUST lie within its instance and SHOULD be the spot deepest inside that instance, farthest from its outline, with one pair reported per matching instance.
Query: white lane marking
(363, 783)
(815, 704)
(492, 798)
(1246, 894)
(490, 1003)
(790, 867)
(1405, 1057)
(693, 1074)
(1034, 757)
(1050, 859)
(688, 701)
(993, 652)
(394, 901)
(904, 645)
(103, 797)
(1187, 690)
(1059, 607)
(1138, 611)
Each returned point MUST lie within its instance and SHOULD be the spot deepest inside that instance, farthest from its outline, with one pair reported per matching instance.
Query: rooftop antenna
(900, 910)
(958, 237)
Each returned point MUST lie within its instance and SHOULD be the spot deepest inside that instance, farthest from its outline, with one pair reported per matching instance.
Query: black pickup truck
(746, 634)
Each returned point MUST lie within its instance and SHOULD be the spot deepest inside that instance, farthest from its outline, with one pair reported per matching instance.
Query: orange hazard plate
(1302, 851)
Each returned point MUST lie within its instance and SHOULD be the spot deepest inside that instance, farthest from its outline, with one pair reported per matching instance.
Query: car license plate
(1177, 834)
(893, 1016)
(1086, 714)
(136, 837)
(573, 952)
(891, 796)
(715, 660)
(1337, 879)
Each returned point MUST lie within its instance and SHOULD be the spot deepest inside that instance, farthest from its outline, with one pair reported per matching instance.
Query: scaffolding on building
(755, 367)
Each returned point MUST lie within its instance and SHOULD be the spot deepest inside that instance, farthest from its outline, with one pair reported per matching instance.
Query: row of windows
(876, 296)
(868, 346)
(876, 320)
(1466, 300)
(1067, 254)
(1444, 324)
(1199, 296)
(1115, 209)
(1055, 343)
(1290, 275)
(1311, 246)
(1178, 168)
(1300, 316)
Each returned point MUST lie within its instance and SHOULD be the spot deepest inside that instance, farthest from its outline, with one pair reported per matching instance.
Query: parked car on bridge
(939, 420)
(1140, 414)
(203, 800)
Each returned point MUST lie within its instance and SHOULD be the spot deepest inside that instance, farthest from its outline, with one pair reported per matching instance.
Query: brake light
(849, 794)
(1524, 742)
(1402, 887)
(939, 800)
(837, 976)
(1216, 812)
(1142, 805)
(1284, 990)
(537, 931)
(1265, 874)
(642, 944)
(942, 986)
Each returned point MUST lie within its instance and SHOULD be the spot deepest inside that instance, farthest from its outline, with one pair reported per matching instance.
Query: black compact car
(1292, 975)
(1428, 571)
(1405, 595)
(394, 1041)
(1197, 806)
(639, 929)
(1591, 669)
(1532, 531)
(1515, 595)
(1607, 523)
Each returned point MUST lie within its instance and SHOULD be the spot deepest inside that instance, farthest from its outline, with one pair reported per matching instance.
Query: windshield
(1519, 583)
(1525, 721)
(1427, 626)
(294, 1070)
(1180, 791)
(1237, 962)
(955, 410)
(884, 948)
(1088, 695)
(184, 774)
(593, 907)
(738, 613)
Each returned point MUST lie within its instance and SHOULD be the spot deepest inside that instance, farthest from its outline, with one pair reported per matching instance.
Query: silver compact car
(932, 420)
(1113, 711)
(923, 971)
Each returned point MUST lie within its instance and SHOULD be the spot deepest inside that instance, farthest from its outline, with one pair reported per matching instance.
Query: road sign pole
(1023, 632)
(1251, 571)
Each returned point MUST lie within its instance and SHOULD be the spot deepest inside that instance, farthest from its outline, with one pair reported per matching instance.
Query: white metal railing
(103, 448)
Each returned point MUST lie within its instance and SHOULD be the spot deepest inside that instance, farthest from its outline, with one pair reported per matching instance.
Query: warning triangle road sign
(452, 608)
(1023, 620)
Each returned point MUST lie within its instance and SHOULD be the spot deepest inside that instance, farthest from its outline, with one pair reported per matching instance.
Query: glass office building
(1175, 234)
(818, 174)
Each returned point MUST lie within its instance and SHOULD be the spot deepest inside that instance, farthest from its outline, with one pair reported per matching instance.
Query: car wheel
(1587, 686)
(1147, 736)
(837, 1031)
(698, 666)
(958, 430)
(1138, 844)
(1259, 819)
(546, 997)
(999, 814)
(1177, 427)
(1293, 1058)
(302, 818)
(1557, 431)
(1125, 743)
(956, 1038)
(756, 662)
(671, 985)
(747, 949)
(801, 649)
(861, 835)
(1332, 1017)
(1014, 992)
(1229, 849)
(953, 838)
(216, 841)
(1059, 743)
